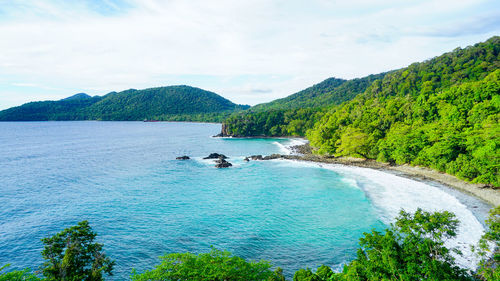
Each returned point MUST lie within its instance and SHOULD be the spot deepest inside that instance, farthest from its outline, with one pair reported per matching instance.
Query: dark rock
(302, 149)
(224, 164)
(220, 160)
(256, 157)
(272, 156)
(182, 157)
(246, 159)
(215, 156)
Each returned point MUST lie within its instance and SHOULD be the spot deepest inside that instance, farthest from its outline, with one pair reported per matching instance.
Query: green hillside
(331, 91)
(442, 113)
(179, 103)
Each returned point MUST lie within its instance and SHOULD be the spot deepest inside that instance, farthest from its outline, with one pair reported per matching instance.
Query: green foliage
(216, 265)
(354, 142)
(17, 275)
(489, 248)
(412, 249)
(72, 255)
(277, 276)
(174, 103)
(454, 131)
(293, 122)
(448, 124)
(305, 275)
(331, 91)
(323, 273)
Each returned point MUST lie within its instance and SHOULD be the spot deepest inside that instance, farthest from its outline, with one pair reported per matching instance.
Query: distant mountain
(78, 97)
(180, 103)
(331, 91)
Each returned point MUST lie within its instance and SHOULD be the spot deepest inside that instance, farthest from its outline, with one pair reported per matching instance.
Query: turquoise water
(124, 179)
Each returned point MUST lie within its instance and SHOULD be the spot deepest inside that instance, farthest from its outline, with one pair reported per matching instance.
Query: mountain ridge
(176, 103)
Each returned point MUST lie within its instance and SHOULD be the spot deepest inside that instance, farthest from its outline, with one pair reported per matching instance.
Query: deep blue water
(123, 178)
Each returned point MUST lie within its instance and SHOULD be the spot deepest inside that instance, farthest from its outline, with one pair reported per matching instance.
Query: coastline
(488, 195)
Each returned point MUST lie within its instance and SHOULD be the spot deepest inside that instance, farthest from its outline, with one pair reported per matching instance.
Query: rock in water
(223, 165)
(182, 157)
(220, 160)
(246, 159)
(216, 156)
(272, 156)
(256, 157)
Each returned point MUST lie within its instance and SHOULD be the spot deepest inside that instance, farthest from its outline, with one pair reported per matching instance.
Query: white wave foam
(286, 148)
(283, 149)
(203, 161)
(295, 163)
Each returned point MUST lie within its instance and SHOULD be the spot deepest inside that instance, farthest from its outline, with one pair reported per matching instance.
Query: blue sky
(249, 51)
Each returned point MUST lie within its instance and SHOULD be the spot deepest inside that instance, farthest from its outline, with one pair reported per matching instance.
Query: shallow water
(124, 179)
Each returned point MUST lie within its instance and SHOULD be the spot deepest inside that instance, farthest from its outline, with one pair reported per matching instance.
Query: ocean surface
(123, 178)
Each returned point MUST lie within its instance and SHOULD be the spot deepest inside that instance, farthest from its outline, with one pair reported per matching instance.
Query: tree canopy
(72, 255)
(216, 265)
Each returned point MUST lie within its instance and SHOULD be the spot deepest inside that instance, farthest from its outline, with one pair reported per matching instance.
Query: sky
(249, 51)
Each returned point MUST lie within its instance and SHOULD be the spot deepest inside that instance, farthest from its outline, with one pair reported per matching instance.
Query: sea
(143, 203)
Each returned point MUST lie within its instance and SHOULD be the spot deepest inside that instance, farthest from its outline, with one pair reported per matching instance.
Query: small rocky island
(222, 163)
(216, 156)
(220, 159)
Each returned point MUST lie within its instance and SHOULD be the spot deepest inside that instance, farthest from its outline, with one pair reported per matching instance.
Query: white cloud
(74, 47)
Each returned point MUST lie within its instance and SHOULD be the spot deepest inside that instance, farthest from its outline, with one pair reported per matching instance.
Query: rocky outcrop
(182, 157)
(222, 163)
(302, 149)
(260, 157)
(272, 156)
(216, 156)
(256, 157)
(224, 132)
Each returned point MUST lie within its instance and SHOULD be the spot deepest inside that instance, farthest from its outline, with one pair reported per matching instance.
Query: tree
(17, 275)
(215, 265)
(489, 248)
(411, 249)
(305, 275)
(323, 273)
(354, 142)
(73, 255)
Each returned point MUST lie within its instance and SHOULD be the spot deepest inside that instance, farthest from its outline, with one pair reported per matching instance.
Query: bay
(123, 178)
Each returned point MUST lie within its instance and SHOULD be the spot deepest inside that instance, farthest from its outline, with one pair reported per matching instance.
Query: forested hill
(442, 113)
(331, 91)
(179, 103)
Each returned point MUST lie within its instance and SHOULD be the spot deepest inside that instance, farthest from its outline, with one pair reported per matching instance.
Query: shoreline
(488, 195)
